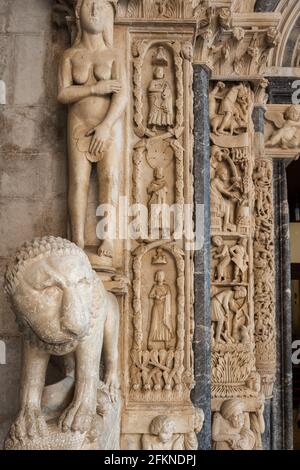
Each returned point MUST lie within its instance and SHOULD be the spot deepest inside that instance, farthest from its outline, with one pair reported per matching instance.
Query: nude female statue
(92, 83)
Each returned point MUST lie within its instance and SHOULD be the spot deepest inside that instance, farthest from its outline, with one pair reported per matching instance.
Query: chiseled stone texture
(33, 179)
(10, 376)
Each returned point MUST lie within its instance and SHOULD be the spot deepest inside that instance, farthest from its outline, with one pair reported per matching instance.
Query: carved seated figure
(63, 309)
(231, 427)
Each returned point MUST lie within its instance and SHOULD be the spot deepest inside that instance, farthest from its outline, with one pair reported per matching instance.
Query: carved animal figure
(61, 307)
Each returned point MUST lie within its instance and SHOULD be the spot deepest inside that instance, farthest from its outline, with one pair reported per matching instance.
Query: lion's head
(51, 285)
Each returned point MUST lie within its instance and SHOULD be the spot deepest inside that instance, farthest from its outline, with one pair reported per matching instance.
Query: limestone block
(20, 219)
(34, 17)
(10, 376)
(7, 43)
(8, 326)
(30, 130)
(5, 8)
(31, 52)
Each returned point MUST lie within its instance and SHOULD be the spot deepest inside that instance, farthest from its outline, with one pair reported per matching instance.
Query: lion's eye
(84, 281)
(52, 290)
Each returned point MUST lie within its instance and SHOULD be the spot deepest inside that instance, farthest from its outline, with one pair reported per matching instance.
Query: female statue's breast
(80, 75)
(102, 72)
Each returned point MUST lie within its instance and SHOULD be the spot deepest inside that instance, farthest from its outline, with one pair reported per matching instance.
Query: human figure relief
(231, 427)
(221, 254)
(162, 435)
(158, 190)
(159, 258)
(92, 83)
(231, 117)
(161, 111)
(224, 197)
(287, 134)
(240, 259)
(161, 329)
(226, 313)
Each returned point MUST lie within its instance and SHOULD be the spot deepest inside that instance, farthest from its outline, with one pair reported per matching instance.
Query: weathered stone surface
(10, 376)
(7, 50)
(30, 130)
(8, 326)
(30, 58)
(31, 16)
(20, 220)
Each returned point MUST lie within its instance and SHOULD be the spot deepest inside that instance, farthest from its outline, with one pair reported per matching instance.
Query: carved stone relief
(264, 275)
(163, 436)
(159, 9)
(63, 309)
(235, 428)
(160, 357)
(282, 129)
(92, 82)
(236, 385)
(158, 367)
(228, 42)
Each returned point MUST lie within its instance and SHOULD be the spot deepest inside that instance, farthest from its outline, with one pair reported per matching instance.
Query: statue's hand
(105, 87)
(101, 134)
(233, 440)
(112, 382)
(29, 423)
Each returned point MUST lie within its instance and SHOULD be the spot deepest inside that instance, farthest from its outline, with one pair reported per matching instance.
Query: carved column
(159, 316)
(264, 275)
(236, 390)
(202, 344)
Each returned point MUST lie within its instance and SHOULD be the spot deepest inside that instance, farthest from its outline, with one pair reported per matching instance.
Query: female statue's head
(95, 17)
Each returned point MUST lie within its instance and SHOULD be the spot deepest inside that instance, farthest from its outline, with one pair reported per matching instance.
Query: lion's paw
(77, 417)
(29, 423)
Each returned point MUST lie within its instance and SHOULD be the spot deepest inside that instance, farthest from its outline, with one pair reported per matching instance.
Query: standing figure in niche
(92, 83)
(158, 191)
(240, 260)
(223, 197)
(221, 254)
(160, 99)
(161, 329)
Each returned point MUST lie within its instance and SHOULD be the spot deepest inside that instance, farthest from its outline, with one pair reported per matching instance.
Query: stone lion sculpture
(63, 309)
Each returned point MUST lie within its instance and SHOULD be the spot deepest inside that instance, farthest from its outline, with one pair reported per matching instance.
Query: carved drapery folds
(236, 384)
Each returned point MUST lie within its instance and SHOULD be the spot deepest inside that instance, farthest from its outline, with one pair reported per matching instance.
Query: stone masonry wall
(33, 180)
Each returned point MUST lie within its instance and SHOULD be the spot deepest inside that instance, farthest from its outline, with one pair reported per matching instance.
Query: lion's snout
(74, 315)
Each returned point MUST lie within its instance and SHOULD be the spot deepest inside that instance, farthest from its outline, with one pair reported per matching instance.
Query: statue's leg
(226, 123)
(79, 178)
(108, 170)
